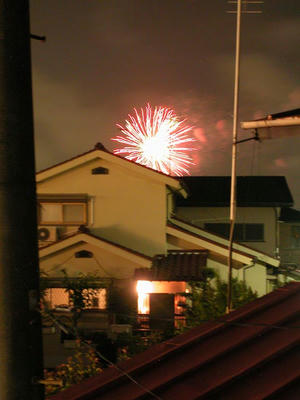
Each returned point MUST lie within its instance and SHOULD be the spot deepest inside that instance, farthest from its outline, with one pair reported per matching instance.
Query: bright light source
(144, 288)
(158, 139)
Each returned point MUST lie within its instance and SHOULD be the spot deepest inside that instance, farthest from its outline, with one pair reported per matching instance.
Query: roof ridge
(100, 147)
(80, 232)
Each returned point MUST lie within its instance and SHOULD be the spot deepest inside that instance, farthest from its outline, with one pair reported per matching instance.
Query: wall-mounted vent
(100, 171)
(84, 254)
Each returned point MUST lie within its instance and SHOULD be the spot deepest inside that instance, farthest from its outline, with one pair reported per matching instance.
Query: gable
(108, 260)
(108, 160)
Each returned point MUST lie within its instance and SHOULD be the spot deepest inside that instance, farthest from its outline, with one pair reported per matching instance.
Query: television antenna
(241, 8)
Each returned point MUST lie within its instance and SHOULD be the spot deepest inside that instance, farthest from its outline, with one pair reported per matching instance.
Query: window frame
(243, 230)
(62, 203)
(50, 294)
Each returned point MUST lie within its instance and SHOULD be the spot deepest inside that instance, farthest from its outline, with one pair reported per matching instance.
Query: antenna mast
(238, 13)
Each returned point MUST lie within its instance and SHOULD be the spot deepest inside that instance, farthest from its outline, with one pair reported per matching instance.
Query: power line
(69, 330)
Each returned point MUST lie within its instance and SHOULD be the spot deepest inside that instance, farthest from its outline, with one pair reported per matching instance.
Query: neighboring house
(100, 213)
(251, 353)
(116, 199)
(250, 265)
(259, 202)
(289, 229)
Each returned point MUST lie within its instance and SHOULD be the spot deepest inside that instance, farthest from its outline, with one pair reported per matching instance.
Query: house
(259, 203)
(102, 214)
(251, 353)
(289, 229)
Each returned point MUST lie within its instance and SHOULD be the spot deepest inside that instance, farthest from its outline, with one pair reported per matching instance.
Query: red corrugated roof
(253, 353)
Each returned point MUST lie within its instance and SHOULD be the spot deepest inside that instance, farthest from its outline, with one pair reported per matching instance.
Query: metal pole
(234, 154)
(20, 327)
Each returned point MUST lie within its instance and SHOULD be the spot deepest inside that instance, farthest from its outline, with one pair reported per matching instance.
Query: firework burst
(156, 138)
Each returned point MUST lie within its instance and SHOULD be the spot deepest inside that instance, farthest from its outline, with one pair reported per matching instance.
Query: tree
(81, 289)
(82, 365)
(208, 298)
(81, 292)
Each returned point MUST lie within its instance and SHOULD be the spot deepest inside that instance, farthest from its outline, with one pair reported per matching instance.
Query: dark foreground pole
(20, 328)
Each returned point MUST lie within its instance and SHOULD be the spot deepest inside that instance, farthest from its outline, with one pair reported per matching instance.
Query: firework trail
(157, 139)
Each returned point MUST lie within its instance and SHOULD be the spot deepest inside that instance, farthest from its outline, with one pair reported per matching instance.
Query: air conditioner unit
(47, 234)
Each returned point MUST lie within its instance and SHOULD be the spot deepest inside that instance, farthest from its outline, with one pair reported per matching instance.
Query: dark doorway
(161, 311)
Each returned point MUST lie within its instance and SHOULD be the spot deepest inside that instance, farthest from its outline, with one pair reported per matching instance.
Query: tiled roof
(252, 353)
(177, 265)
(289, 215)
(252, 191)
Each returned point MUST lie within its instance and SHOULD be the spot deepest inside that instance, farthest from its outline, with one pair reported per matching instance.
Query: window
(58, 299)
(62, 213)
(295, 236)
(242, 232)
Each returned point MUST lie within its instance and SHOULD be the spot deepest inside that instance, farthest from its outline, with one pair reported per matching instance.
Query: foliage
(81, 292)
(208, 298)
(129, 345)
(82, 365)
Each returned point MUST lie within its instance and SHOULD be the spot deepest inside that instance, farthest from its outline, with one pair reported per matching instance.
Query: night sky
(104, 57)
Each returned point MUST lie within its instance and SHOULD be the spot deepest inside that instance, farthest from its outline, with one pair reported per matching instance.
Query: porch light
(143, 289)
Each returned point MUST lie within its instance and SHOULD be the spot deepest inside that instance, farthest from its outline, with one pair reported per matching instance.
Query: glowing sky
(104, 57)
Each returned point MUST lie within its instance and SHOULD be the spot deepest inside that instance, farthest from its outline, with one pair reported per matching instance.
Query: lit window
(97, 299)
(62, 213)
(58, 299)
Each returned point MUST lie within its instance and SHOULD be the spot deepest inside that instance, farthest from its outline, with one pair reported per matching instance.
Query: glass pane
(296, 236)
(73, 213)
(50, 212)
(239, 232)
(219, 229)
(97, 298)
(59, 298)
(254, 232)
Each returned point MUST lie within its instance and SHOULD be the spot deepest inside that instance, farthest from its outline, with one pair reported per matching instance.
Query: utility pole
(20, 324)
(232, 216)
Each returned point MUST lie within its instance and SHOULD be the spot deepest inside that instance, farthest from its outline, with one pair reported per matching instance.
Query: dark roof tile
(252, 191)
(289, 215)
(177, 265)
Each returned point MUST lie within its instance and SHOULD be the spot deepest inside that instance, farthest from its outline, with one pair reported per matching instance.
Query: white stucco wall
(255, 215)
(255, 276)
